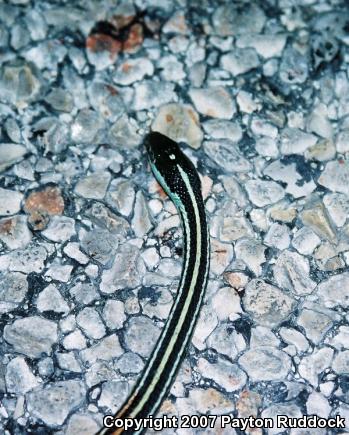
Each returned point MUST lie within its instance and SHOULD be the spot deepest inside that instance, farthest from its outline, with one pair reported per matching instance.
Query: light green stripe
(187, 302)
(140, 384)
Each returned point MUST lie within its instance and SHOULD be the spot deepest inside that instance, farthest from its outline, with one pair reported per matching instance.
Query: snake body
(178, 177)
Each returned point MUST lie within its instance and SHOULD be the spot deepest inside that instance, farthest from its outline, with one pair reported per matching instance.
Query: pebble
(221, 256)
(223, 129)
(278, 236)
(268, 305)
(206, 324)
(53, 403)
(225, 341)
(74, 341)
(288, 174)
(10, 153)
(234, 228)
(99, 244)
(106, 100)
(176, 24)
(113, 395)
(311, 366)
(86, 126)
(102, 50)
(42, 204)
(10, 202)
(133, 70)
(334, 291)
(171, 69)
(19, 377)
(151, 258)
(130, 363)
(60, 100)
(13, 290)
(290, 410)
(263, 193)
(267, 45)
(209, 399)
(305, 241)
(14, 232)
(315, 324)
(273, 364)
(337, 205)
(59, 229)
(319, 123)
(227, 375)
(260, 127)
(79, 424)
(126, 271)
(151, 93)
(225, 154)
(342, 141)
(84, 293)
(35, 23)
(335, 176)
(180, 122)
(45, 367)
(105, 350)
(314, 215)
(294, 337)
(226, 303)
(68, 362)
(59, 272)
(121, 195)
(72, 250)
(261, 335)
(46, 54)
(233, 20)
(140, 336)
(50, 299)
(317, 404)
(252, 253)
(240, 61)
(20, 82)
(31, 336)
(106, 219)
(93, 186)
(215, 102)
(341, 362)
(141, 221)
(12, 129)
(295, 141)
(27, 260)
(114, 314)
(294, 66)
(124, 133)
(291, 271)
(91, 323)
(340, 339)
(322, 151)
(246, 102)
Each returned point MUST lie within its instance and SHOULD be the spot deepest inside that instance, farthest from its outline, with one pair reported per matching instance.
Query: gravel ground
(90, 247)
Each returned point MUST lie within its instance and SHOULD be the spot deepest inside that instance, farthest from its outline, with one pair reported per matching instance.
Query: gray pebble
(53, 403)
(31, 336)
(268, 305)
(273, 364)
(141, 335)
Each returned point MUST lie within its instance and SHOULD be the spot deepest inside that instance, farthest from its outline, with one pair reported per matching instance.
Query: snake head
(170, 165)
(163, 152)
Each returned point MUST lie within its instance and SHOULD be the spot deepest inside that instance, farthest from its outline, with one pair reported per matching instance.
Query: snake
(177, 175)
